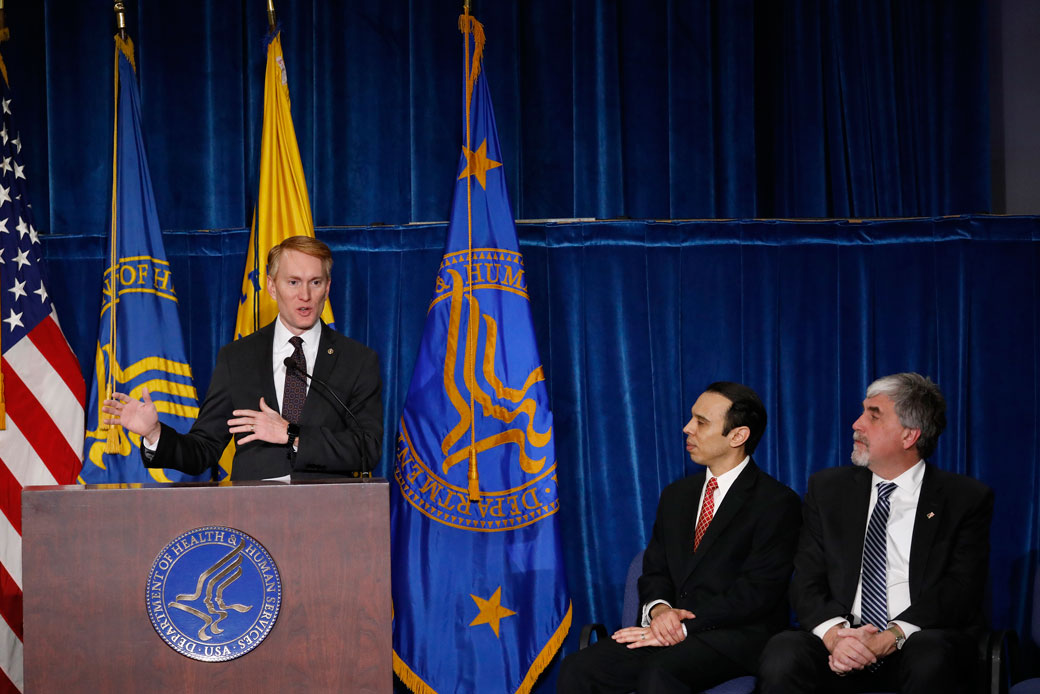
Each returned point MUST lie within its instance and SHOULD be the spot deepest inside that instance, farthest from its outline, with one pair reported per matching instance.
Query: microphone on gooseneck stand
(293, 366)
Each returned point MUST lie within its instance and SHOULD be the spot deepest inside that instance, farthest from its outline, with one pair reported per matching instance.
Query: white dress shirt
(900, 535)
(724, 482)
(282, 348)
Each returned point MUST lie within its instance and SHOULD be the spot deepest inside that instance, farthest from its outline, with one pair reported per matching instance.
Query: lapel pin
(331, 350)
(931, 514)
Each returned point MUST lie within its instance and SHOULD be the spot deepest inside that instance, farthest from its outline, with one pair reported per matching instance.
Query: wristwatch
(293, 432)
(898, 633)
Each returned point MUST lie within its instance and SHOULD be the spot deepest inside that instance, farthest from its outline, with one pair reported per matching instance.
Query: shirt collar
(727, 478)
(282, 334)
(909, 481)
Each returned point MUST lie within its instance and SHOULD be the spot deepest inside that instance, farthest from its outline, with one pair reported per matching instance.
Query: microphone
(291, 365)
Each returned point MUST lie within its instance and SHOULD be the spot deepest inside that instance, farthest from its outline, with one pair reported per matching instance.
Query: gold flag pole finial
(120, 10)
(270, 15)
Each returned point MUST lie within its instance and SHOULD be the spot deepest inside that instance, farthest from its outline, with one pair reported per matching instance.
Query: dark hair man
(716, 570)
(891, 563)
(309, 435)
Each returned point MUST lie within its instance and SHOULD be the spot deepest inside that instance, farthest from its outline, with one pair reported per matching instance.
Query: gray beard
(860, 459)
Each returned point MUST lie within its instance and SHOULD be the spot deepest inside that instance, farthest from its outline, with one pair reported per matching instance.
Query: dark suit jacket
(949, 553)
(737, 580)
(330, 444)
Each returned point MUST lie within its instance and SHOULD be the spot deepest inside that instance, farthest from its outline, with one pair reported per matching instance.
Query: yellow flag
(282, 206)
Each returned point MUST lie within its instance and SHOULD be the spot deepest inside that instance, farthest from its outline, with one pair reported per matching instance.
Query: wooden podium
(86, 557)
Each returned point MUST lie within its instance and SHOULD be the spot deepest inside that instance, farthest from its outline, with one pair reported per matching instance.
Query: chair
(1032, 685)
(630, 616)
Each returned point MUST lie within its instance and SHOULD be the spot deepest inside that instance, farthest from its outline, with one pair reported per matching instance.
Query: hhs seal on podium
(213, 593)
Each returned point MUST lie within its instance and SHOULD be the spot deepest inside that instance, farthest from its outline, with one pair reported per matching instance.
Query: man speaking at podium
(285, 424)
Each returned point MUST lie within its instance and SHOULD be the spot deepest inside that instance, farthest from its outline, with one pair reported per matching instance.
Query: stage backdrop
(648, 109)
(633, 319)
(645, 109)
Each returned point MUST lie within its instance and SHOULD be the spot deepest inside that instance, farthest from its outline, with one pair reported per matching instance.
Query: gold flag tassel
(125, 46)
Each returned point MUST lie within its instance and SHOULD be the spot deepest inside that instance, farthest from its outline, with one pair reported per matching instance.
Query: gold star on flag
(478, 164)
(491, 611)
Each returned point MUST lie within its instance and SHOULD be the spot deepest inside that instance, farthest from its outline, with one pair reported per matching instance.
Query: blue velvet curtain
(633, 319)
(640, 109)
(657, 109)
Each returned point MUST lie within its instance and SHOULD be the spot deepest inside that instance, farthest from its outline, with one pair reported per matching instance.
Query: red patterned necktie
(707, 512)
(295, 390)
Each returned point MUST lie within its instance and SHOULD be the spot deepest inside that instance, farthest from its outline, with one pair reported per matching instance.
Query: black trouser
(931, 661)
(607, 667)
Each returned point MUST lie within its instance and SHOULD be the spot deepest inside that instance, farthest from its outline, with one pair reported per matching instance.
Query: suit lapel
(926, 523)
(857, 500)
(324, 364)
(688, 520)
(265, 356)
(729, 509)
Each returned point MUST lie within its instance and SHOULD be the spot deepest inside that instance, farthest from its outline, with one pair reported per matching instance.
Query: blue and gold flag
(139, 335)
(480, 595)
(282, 206)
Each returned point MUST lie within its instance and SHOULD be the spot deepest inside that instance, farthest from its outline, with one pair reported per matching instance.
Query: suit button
(682, 594)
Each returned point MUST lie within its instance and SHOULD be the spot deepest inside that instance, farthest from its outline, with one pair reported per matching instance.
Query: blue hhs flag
(480, 595)
(139, 334)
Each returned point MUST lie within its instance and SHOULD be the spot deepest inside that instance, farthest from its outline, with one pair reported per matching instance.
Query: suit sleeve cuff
(908, 628)
(823, 627)
(150, 447)
(645, 621)
(148, 450)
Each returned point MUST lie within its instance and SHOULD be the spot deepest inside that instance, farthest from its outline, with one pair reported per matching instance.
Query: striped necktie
(874, 598)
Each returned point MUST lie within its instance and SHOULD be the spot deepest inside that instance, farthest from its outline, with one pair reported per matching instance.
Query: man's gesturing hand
(137, 416)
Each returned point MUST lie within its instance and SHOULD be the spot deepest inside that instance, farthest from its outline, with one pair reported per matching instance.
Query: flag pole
(272, 26)
(470, 361)
(112, 438)
(4, 35)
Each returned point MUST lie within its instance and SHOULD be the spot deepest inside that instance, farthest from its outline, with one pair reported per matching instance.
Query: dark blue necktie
(874, 598)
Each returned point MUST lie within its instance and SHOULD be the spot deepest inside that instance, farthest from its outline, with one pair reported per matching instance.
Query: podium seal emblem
(213, 593)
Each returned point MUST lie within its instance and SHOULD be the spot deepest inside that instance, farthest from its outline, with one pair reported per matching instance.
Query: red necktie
(707, 512)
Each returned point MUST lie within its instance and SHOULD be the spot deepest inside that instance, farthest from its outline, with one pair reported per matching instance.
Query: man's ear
(270, 287)
(738, 436)
(910, 437)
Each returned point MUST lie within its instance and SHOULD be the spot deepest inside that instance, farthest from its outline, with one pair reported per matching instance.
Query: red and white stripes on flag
(42, 392)
(44, 397)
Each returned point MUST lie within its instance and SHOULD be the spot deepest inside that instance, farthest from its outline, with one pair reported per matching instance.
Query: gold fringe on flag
(417, 685)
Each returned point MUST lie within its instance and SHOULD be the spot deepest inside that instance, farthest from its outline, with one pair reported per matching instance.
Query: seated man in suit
(716, 571)
(330, 427)
(891, 564)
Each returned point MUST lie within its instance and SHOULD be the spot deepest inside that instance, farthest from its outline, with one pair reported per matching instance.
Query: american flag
(41, 435)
